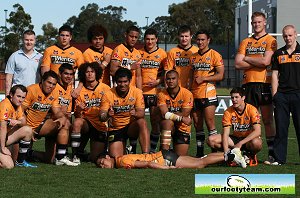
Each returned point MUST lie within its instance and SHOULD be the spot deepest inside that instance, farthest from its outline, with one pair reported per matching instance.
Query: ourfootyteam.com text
(244, 189)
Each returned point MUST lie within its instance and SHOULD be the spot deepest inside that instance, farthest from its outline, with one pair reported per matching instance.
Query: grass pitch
(88, 181)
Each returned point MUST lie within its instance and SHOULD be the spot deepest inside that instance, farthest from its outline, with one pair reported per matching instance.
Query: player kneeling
(13, 128)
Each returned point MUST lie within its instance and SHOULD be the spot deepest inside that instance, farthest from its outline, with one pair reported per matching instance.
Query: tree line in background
(213, 15)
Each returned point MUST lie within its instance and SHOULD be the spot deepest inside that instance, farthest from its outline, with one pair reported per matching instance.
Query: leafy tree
(19, 21)
(212, 15)
(110, 17)
(48, 38)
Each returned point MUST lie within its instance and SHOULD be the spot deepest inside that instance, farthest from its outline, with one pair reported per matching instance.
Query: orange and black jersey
(54, 56)
(205, 65)
(179, 59)
(183, 99)
(38, 105)
(122, 106)
(152, 63)
(127, 161)
(8, 112)
(64, 96)
(256, 47)
(288, 66)
(94, 55)
(242, 123)
(92, 99)
(127, 57)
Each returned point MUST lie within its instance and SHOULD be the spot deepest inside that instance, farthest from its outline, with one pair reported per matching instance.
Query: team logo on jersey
(180, 102)
(157, 56)
(185, 54)
(60, 92)
(233, 118)
(55, 52)
(96, 58)
(51, 98)
(131, 99)
(177, 53)
(168, 102)
(297, 58)
(39, 98)
(208, 58)
(72, 53)
(116, 102)
(142, 54)
(264, 43)
(102, 92)
(249, 44)
(86, 96)
(6, 115)
(126, 53)
(116, 55)
(137, 57)
(246, 118)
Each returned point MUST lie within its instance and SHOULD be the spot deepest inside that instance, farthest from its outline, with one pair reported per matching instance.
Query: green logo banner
(245, 184)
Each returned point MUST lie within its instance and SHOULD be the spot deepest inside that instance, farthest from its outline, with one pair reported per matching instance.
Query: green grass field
(88, 181)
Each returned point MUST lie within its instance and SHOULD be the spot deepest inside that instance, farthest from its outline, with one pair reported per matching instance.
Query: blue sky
(58, 11)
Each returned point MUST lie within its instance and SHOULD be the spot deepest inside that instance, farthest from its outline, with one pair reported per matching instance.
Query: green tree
(48, 38)
(212, 15)
(110, 17)
(18, 22)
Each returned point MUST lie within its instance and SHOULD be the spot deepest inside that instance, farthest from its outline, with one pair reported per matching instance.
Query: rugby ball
(238, 181)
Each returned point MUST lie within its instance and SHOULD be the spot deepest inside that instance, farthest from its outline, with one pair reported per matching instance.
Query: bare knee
(255, 145)
(212, 141)
(7, 164)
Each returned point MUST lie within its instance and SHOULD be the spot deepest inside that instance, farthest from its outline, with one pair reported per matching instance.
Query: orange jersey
(38, 105)
(205, 65)
(54, 56)
(92, 100)
(242, 124)
(7, 111)
(127, 58)
(151, 64)
(179, 59)
(183, 99)
(253, 47)
(127, 161)
(122, 106)
(64, 96)
(93, 55)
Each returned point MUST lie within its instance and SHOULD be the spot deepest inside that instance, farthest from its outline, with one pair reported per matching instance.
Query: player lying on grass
(166, 159)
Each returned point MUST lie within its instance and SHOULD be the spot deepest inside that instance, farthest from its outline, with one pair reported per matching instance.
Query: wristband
(173, 117)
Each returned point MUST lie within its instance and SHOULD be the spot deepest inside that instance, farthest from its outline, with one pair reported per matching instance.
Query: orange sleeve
(161, 99)
(188, 100)
(3, 111)
(116, 54)
(28, 99)
(226, 119)
(80, 59)
(170, 61)
(218, 60)
(105, 103)
(242, 47)
(255, 117)
(139, 99)
(46, 61)
(272, 44)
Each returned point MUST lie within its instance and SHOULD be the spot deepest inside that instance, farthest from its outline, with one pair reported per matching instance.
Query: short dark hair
(123, 72)
(48, 74)
(238, 90)
(184, 28)
(206, 32)
(151, 31)
(94, 66)
(96, 30)
(15, 87)
(257, 14)
(132, 28)
(66, 28)
(65, 66)
(172, 71)
(28, 32)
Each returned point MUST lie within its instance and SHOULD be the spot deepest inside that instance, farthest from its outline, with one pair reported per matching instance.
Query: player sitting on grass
(167, 159)
(245, 122)
(13, 128)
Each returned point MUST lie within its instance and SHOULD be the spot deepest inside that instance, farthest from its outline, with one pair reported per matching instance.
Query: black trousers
(284, 104)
